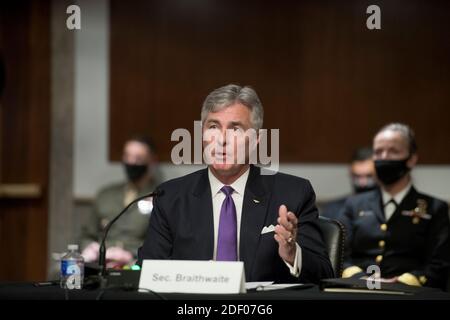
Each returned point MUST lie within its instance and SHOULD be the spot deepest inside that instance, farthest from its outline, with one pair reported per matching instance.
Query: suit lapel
(254, 211)
(202, 217)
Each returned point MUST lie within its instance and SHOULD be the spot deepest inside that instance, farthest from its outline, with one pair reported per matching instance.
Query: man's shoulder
(367, 197)
(431, 201)
(185, 182)
(281, 177)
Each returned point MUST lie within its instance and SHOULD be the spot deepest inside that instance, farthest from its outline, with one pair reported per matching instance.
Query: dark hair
(144, 140)
(362, 154)
(405, 131)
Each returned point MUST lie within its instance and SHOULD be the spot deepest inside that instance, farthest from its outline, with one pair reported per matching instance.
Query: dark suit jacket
(181, 225)
(420, 246)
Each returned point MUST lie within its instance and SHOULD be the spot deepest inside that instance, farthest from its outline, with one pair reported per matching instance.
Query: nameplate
(186, 276)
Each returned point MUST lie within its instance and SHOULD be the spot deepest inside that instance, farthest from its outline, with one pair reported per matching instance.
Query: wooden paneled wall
(24, 138)
(325, 80)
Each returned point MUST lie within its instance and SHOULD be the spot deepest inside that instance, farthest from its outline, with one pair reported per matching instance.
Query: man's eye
(213, 126)
(236, 128)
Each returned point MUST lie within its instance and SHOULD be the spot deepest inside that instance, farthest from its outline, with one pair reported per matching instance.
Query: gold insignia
(420, 212)
(383, 227)
(421, 208)
(379, 258)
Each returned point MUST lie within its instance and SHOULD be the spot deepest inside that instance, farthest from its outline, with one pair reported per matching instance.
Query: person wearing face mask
(139, 163)
(397, 228)
(362, 176)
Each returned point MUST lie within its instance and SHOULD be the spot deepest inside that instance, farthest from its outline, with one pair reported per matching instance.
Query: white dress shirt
(389, 207)
(238, 197)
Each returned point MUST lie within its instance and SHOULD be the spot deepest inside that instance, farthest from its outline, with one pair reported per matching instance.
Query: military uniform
(333, 209)
(413, 241)
(127, 233)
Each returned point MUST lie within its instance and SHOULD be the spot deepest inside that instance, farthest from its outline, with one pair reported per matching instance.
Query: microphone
(102, 251)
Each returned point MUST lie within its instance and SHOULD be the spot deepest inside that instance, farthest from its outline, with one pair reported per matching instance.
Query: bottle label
(73, 273)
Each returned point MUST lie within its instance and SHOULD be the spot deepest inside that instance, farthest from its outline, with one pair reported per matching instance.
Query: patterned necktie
(227, 238)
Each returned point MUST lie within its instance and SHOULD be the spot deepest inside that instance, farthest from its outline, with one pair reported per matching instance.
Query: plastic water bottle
(72, 269)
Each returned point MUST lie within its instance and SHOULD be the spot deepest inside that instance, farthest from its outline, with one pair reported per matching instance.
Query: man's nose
(362, 180)
(222, 137)
(131, 160)
(384, 155)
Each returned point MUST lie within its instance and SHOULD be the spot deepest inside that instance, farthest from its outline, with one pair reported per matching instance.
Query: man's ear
(411, 163)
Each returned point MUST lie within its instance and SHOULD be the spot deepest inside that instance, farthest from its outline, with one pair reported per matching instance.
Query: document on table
(269, 285)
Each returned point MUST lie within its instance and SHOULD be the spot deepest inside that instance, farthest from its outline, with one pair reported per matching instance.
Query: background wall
(346, 88)
(24, 138)
(325, 80)
(73, 97)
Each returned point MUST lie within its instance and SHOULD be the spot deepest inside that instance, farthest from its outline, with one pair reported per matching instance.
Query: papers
(354, 290)
(256, 285)
(269, 285)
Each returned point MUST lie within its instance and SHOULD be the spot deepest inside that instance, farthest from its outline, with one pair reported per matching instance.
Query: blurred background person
(403, 231)
(362, 176)
(139, 162)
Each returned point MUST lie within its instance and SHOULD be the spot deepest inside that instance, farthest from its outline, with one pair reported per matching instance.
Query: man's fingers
(286, 230)
(280, 240)
(285, 224)
(282, 211)
(289, 222)
(282, 232)
(292, 218)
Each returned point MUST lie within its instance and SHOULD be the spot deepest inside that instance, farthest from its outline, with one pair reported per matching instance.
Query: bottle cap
(72, 247)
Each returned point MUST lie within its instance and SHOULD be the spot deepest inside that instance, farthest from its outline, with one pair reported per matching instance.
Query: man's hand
(117, 257)
(90, 253)
(286, 234)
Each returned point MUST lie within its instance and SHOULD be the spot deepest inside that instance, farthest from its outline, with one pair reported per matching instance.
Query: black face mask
(371, 185)
(135, 171)
(390, 171)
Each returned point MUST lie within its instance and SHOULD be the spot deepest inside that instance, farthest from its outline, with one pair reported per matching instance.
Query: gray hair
(405, 131)
(228, 95)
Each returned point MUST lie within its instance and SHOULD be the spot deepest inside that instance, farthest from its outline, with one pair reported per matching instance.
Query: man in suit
(403, 231)
(362, 175)
(230, 211)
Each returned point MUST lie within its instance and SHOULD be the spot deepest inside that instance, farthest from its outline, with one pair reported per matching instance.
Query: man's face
(392, 145)
(136, 153)
(223, 157)
(363, 173)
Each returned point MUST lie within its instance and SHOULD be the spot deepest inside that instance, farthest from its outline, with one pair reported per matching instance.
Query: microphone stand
(102, 251)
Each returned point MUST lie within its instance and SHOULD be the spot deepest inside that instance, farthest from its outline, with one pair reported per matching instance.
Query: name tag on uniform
(187, 276)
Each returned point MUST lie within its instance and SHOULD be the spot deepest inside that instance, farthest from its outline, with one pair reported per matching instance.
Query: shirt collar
(398, 198)
(238, 185)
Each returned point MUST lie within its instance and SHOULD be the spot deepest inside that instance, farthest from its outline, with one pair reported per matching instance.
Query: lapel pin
(255, 200)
